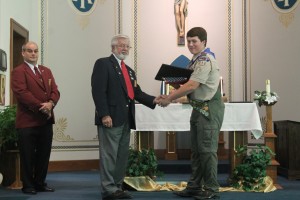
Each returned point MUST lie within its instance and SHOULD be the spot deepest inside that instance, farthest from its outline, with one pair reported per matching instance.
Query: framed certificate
(173, 74)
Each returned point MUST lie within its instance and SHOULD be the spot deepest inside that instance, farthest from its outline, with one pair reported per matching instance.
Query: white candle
(268, 88)
(221, 83)
(163, 87)
(167, 88)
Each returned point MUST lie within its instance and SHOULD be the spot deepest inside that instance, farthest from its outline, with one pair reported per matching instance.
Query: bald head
(30, 52)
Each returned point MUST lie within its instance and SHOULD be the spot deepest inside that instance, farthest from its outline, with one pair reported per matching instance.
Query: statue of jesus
(180, 15)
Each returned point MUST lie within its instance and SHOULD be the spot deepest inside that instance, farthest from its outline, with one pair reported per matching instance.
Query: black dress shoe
(207, 195)
(28, 190)
(126, 195)
(187, 193)
(119, 194)
(44, 189)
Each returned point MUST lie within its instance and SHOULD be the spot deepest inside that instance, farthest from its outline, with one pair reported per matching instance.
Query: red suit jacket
(30, 92)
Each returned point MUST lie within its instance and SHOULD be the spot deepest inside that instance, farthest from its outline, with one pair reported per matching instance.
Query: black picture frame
(172, 71)
(3, 60)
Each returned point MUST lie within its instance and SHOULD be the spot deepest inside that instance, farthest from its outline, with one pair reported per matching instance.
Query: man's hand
(162, 100)
(158, 98)
(107, 121)
(46, 109)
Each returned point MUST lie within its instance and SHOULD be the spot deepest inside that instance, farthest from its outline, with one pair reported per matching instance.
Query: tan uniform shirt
(207, 73)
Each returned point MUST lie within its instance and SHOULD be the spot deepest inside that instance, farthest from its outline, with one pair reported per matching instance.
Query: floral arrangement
(264, 99)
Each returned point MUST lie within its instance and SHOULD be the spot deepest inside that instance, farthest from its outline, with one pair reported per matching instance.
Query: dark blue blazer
(110, 93)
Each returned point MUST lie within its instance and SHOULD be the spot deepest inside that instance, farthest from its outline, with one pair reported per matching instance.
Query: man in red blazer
(36, 92)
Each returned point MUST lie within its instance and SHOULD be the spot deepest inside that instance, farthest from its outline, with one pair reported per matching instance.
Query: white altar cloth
(176, 117)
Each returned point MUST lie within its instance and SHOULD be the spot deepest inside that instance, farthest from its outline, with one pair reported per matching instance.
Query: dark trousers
(35, 148)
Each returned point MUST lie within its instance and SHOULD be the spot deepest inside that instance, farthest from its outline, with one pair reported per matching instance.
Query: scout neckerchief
(207, 50)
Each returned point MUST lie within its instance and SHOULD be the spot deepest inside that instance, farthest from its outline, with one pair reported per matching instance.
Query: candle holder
(265, 103)
(269, 99)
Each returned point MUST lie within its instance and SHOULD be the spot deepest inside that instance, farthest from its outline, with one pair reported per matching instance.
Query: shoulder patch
(203, 58)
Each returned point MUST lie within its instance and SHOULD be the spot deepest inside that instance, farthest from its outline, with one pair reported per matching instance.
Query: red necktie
(127, 80)
(37, 73)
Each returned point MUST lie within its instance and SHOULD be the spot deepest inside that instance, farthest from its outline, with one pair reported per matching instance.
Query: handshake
(163, 100)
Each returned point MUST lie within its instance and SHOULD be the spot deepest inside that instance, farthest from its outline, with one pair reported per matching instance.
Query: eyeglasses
(32, 50)
(123, 46)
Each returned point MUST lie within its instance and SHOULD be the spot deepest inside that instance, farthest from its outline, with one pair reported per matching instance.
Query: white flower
(257, 96)
(270, 99)
(263, 99)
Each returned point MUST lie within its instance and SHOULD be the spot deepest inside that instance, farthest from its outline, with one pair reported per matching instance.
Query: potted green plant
(142, 163)
(250, 174)
(8, 141)
(8, 133)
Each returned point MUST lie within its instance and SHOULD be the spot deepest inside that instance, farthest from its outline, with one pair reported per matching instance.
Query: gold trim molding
(286, 19)
(59, 129)
(286, 10)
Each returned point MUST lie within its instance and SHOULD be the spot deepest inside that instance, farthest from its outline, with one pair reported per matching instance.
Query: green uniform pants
(204, 146)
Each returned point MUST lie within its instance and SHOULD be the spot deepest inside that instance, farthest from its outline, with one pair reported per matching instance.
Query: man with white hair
(114, 90)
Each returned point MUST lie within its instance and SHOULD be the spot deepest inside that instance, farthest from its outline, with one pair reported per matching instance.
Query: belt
(200, 106)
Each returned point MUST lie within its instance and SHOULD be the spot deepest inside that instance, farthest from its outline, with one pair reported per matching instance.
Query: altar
(176, 117)
(238, 118)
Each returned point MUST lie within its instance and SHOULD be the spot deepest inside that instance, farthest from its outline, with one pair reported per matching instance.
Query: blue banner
(285, 6)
